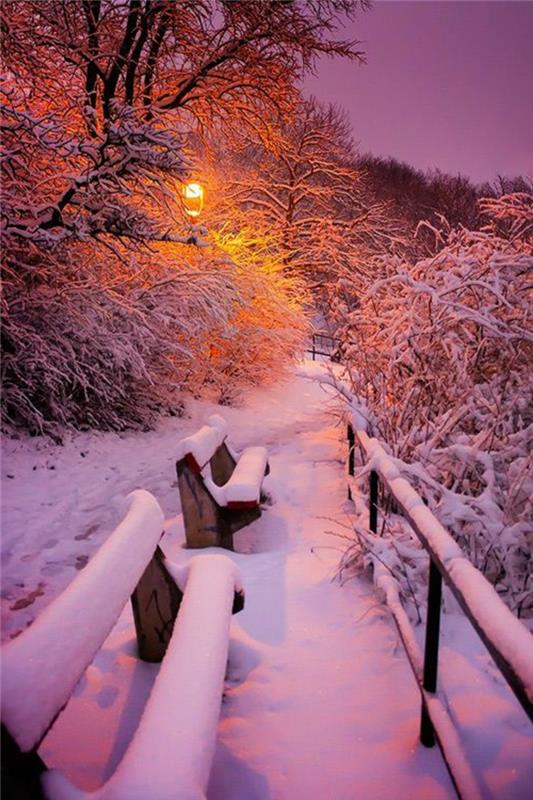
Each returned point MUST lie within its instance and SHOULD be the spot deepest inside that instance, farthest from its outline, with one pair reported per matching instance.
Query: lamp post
(193, 198)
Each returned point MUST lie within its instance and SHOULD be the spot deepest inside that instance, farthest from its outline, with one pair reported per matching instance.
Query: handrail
(457, 571)
(507, 640)
(323, 341)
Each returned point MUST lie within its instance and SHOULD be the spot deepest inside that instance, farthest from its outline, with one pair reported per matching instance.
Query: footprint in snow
(52, 568)
(30, 598)
(81, 562)
(29, 557)
(88, 533)
(50, 543)
(107, 696)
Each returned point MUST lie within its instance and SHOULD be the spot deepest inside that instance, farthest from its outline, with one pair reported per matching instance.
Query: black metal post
(313, 346)
(351, 457)
(431, 653)
(373, 502)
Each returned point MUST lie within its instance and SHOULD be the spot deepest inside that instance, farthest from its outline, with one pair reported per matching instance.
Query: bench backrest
(199, 447)
(41, 667)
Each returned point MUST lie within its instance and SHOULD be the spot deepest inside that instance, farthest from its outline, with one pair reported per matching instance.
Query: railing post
(373, 502)
(313, 346)
(351, 457)
(431, 653)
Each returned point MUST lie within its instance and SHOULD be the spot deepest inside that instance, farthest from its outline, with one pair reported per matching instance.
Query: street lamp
(193, 198)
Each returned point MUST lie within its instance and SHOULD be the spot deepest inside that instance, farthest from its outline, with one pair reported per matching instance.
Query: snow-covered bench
(221, 490)
(171, 751)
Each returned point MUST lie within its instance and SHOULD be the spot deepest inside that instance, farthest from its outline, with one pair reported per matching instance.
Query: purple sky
(446, 84)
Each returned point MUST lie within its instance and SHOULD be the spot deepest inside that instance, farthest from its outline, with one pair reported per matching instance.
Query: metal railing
(509, 664)
(322, 344)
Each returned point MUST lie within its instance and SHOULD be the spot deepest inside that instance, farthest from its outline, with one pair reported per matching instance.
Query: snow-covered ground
(320, 701)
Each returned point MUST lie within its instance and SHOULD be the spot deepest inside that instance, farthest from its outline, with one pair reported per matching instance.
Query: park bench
(171, 750)
(220, 489)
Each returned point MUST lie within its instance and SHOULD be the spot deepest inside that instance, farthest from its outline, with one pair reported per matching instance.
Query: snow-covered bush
(441, 353)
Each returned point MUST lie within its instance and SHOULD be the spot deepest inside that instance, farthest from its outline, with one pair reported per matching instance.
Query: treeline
(414, 195)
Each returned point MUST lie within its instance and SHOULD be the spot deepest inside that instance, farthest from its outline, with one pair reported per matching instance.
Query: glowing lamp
(193, 198)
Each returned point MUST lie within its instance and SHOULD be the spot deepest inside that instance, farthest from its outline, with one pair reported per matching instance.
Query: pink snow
(172, 749)
(245, 482)
(320, 700)
(41, 667)
(201, 445)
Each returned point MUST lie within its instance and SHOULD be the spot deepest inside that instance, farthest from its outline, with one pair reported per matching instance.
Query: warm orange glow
(193, 198)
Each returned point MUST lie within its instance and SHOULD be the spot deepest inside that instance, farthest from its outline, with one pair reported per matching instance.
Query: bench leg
(224, 530)
(155, 603)
(21, 772)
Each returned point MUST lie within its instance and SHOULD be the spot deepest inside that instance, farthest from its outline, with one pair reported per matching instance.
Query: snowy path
(320, 702)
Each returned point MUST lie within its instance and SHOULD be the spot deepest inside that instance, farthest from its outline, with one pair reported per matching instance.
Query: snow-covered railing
(322, 344)
(507, 640)
(170, 754)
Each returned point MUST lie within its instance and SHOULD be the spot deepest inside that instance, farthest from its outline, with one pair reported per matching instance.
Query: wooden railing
(507, 640)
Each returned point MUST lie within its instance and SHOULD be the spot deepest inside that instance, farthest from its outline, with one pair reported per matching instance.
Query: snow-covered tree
(106, 311)
(300, 188)
(440, 350)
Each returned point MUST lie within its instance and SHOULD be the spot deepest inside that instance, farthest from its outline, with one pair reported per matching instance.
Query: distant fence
(322, 344)
(507, 641)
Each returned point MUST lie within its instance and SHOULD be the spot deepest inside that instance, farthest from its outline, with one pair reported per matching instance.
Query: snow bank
(170, 755)
(43, 665)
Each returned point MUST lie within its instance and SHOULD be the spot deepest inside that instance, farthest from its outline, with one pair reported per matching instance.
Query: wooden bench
(42, 666)
(220, 489)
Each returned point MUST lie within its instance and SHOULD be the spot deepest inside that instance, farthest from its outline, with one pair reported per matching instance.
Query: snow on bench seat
(171, 752)
(243, 490)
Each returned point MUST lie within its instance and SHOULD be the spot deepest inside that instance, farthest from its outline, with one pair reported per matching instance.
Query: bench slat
(201, 445)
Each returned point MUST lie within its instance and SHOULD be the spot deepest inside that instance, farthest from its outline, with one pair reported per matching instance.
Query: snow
(37, 677)
(216, 421)
(469, 788)
(170, 754)
(245, 482)
(508, 634)
(244, 485)
(201, 445)
(319, 698)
